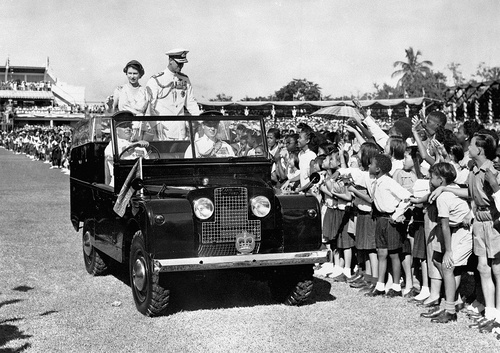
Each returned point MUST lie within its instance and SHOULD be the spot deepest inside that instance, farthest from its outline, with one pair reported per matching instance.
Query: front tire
(151, 298)
(94, 261)
(291, 285)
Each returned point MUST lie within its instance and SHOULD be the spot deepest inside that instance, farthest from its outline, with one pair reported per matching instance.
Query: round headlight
(203, 208)
(261, 206)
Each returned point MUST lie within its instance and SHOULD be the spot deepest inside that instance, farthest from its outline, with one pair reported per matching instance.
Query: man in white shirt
(210, 145)
(123, 136)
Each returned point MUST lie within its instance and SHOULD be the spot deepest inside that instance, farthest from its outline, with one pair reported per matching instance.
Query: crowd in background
(50, 145)
(18, 85)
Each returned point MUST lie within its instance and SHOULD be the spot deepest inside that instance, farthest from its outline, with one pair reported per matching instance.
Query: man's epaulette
(158, 74)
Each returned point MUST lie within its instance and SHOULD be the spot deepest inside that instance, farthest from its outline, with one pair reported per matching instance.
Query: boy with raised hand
(388, 196)
(454, 239)
(485, 229)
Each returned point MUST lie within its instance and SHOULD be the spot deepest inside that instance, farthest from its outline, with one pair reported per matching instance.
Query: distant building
(33, 95)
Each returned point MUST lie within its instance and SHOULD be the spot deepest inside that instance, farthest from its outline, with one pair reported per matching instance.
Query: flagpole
(140, 191)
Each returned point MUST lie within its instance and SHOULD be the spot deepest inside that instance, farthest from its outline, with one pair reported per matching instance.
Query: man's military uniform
(171, 93)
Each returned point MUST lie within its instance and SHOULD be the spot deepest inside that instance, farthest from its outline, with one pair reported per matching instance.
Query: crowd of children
(407, 213)
(50, 145)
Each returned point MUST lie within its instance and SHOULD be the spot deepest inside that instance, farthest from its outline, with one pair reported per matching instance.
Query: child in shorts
(454, 239)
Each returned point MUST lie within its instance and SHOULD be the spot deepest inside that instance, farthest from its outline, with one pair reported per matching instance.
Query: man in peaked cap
(172, 94)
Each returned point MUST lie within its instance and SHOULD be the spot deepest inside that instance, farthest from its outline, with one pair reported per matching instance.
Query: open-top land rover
(172, 194)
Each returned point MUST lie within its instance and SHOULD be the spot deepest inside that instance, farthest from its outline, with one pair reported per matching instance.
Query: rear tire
(95, 262)
(150, 297)
(291, 286)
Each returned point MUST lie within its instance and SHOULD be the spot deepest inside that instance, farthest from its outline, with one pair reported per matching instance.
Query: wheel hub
(139, 274)
(87, 246)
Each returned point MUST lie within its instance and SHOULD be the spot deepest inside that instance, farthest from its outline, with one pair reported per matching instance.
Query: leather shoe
(359, 284)
(368, 288)
(431, 304)
(489, 327)
(391, 293)
(485, 324)
(355, 278)
(412, 293)
(480, 322)
(432, 313)
(474, 315)
(417, 301)
(375, 293)
(340, 278)
(444, 317)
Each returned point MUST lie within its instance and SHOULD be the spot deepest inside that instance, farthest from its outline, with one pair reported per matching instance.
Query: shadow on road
(9, 332)
(12, 301)
(23, 288)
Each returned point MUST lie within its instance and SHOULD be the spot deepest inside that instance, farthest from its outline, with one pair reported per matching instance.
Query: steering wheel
(150, 149)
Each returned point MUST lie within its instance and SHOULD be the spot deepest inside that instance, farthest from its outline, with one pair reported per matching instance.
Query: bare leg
(408, 273)
(396, 267)
(382, 264)
(496, 272)
(486, 282)
(372, 255)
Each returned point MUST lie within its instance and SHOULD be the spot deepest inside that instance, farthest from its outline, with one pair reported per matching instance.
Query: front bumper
(240, 261)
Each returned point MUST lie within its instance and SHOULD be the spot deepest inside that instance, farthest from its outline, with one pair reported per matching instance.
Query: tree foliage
(257, 99)
(299, 89)
(486, 73)
(221, 97)
(412, 73)
(458, 77)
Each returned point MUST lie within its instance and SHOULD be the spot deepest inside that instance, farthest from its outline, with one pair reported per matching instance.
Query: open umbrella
(338, 112)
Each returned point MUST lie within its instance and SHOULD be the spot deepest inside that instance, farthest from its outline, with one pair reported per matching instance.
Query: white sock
(497, 315)
(489, 313)
(380, 286)
(347, 271)
(396, 287)
(424, 293)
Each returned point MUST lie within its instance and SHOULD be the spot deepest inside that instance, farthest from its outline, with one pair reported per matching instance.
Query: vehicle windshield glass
(172, 139)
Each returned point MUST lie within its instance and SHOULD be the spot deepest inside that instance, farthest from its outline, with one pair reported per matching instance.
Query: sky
(248, 47)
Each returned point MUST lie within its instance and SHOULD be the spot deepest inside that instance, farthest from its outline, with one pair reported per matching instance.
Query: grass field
(48, 302)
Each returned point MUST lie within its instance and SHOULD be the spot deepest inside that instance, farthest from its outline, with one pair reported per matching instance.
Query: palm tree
(412, 70)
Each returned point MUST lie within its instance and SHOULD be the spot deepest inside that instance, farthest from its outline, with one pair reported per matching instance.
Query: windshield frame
(191, 133)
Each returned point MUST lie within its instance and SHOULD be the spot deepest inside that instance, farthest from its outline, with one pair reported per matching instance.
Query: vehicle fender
(301, 222)
(168, 227)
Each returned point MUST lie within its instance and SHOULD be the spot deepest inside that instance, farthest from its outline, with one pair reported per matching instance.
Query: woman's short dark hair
(136, 65)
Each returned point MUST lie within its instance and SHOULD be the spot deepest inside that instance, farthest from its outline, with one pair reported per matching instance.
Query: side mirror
(137, 184)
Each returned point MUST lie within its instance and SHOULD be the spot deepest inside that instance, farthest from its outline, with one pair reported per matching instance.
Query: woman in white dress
(134, 98)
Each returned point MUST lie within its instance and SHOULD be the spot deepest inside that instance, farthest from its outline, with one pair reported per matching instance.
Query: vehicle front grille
(231, 217)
